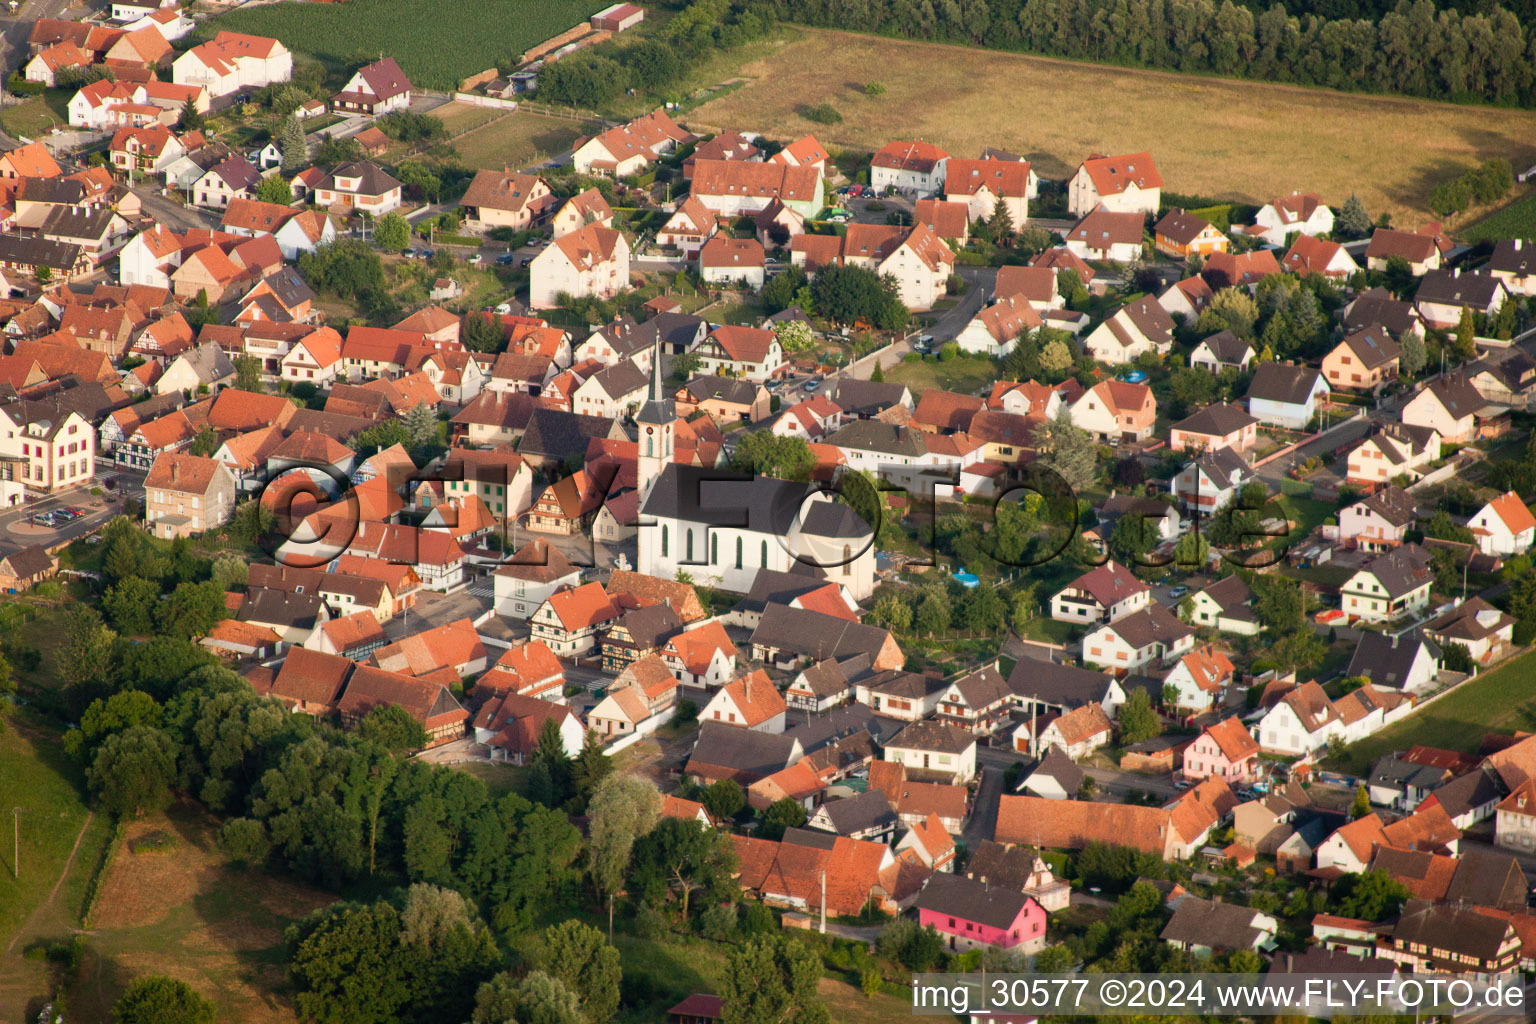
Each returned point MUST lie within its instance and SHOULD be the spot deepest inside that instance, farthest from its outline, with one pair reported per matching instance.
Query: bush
(718, 923)
(1525, 631)
(821, 113)
(910, 944)
(874, 89)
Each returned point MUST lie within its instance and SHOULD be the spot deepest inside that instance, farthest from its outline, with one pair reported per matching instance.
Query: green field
(1502, 700)
(437, 47)
(964, 375)
(1517, 220)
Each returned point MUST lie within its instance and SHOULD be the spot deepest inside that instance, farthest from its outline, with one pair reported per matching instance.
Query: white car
(504, 308)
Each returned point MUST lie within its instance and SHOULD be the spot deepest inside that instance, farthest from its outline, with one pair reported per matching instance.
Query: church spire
(655, 395)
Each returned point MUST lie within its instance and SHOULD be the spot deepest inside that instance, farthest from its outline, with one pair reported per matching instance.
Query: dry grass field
(170, 904)
(1211, 137)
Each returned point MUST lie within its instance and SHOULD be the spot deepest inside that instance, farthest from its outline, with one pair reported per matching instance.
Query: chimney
(1456, 272)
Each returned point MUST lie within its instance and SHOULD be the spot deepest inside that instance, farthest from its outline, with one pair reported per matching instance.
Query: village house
(981, 185)
(917, 258)
(1221, 351)
(1311, 255)
(232, 61)
(1504, 526)
(1139, 327)
(1450, 405)
(1104, 234)
(1203, 927)
(1212, 479)
(628, 148)
(688, 228)
(969, 914)
(1149, 636)
(1514, 265)
(1444, 296)
(732, 188)
(1300, 213)
(1365, 360)
(909, 166)
(1102, 594)
(1392, 450)
(504, 199)
(1077, 733)
(1418, 251)
(753, 353)
(590, 262)
(750, 702)
(1221, 425)
(1390, 586)
(997, 328)
(1478, 626)
(1226, 606)
(1182, 235)
(1379, 521)
(1172, 832)
(1284, 395)
(362, 185)
(581, 210)
(1226, 750)
(703, 657)
(732, 262)
(1128, 183)
(187, 495)
(1198, 679)
(568, 621)
(26, 567)
(936, 752)
(1115, 411)
(374, 89)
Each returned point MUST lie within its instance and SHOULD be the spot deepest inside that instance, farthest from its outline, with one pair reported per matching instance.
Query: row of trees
(1413, 49)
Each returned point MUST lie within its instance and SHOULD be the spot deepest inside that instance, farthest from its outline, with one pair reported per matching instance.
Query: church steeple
(655, 420)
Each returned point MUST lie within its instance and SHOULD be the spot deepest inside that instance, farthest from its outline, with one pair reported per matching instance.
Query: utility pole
(16, 849)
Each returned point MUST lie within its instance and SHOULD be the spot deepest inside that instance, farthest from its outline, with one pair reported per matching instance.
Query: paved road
(98, 512)
(1111, 781)
(983, 823)
(13, 39)
(979, 284)
(173, 214)
(434, 609)
(1327, 441)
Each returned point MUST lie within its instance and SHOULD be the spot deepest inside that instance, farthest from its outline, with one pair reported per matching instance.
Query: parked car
(504, 308)
(1178, 592)
(525, 261)
(812, 384)
(506, 259)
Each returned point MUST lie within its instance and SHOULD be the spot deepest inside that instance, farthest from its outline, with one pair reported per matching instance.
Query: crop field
(1517, 220)
(1223, 139)
(437, 45)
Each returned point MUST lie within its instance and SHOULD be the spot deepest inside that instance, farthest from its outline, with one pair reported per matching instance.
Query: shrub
(822, 113)
(874, 89)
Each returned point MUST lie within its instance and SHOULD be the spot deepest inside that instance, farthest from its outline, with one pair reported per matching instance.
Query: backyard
(515, 140)
(1500, 700)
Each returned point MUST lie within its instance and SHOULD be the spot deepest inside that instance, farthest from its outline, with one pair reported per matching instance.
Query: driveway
(983, 822)
(433, 609)
(979, 283)
(173, 214)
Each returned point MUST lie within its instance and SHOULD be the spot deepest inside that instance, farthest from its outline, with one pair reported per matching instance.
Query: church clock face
(650, 430)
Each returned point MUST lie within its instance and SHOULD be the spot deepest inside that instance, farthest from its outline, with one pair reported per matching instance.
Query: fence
(475, 99)
(644, 729)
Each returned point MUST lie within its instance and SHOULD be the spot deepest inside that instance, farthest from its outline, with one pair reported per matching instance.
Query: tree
(1299, 650)
(1138, 720)
(131, 605)
(1000, 225)
(192, 609)
(723, 799)
(1412, 357)
(1057, 959)
(274, 189)
(577, 956)
(391, 232)
(780, 815)
(1067, 449)
(483, 332)
(877, 375)
(1368, 896)
(535, 999)
(910, 944)
(1466, 335)
(984, 611)
(1361, 806)
(590, 768)
(291, 140)
(190, 120)
(421, 427)
(161, 1000)
(622, 809)
(1352, 221)
(247, 373)
(1278, 602)
(245, 841)
(683, 857)
(393, 728)
(345, 961)
(1055, 357)
(933, 614)
(772, 981)
(767, 454)
(133, 770)
(893, 613)
(1191, 551)
(86, 653)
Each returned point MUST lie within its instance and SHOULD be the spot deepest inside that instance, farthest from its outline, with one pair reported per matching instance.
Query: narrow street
(983, 821)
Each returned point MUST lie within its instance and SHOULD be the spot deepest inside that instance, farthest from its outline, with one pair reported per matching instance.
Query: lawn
(498, 776)
(435, 49)
(963, 375)
(174, 906)
(1216, 138)
(35, 115)
(1517, 220)
(1502, 700)
(44, 902)
(517, 140)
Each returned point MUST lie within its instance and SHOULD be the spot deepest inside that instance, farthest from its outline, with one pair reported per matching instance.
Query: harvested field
(516, 140)
(1228, 140)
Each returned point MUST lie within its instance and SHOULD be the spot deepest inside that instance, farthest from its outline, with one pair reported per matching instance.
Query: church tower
(656, 419)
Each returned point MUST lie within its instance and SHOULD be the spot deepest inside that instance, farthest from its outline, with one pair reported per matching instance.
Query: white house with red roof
(1311, 255)
(1116, 410)
(1106, 234)
(803, 152)
(1102, 594)
(750, 352)
(916, 257)
(701, 657)
(909, 165)
(1198, 679)
(689, 227)
(995, 330)
(1504, 526)
(232, 61)
(750, 702)
(733, 261)
(592, 261)
(1128, 183)
(982, 184)
(627, 148)
(1226, 750)
(1298, 213)
(568, 621)
(375, 89)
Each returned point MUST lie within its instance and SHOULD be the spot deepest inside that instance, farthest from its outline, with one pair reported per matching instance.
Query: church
(721, 528)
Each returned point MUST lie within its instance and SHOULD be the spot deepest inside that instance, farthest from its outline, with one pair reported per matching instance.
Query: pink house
(1225, 750)
(972, 914)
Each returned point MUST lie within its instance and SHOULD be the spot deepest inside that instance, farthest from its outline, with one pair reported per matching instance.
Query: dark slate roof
(816, 635)
(1399, 774)
(840, 722)
(1281, 382)
(1487, 878)
(1457, 395)
(1227, 347)
(922, 735)
(1465, 792)
(770, 586)
(557, 435)
(1377, 306)
(1007, 867)
(33, 251)
(1220, 419)
(1401, 570)
(866, 397)
(1385, 660)
(1459, 929)
(271, 607)
(743, 750)
(90, 222)
(1316, 961)
(871, 809)
(652, 625)
(1231, 593)
(1453, 288)
(875, 436)
(1513, 256)
(30, 561)
(724, 389)
(1373, 346)
(763, 504)
(1050, 683)
(1057, 765)
(373, 179)
(1201, 922)
(952, 896)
